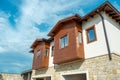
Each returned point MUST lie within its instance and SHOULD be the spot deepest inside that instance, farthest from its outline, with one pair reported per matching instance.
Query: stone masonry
(10, 77)
(97, 68)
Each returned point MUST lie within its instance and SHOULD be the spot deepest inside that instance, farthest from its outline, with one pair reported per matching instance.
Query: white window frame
(79, 37)
(89, 35)
(75, 72)
(64, 41)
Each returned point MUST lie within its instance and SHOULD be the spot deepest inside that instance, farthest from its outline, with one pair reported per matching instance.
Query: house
(26, 75)
(80, 48)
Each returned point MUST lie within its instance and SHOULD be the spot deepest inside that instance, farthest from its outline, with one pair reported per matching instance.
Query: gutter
(106, 37)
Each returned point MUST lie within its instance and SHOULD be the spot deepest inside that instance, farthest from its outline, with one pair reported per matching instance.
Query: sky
(22, 21)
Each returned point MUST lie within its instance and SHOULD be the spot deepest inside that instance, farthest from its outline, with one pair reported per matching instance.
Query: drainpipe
(106, 37)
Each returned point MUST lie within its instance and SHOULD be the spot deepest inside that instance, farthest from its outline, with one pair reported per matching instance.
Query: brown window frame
(95, 35)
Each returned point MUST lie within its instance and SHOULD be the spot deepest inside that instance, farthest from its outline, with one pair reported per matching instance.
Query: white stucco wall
(113, 31)
(51, 57)
(98, 47)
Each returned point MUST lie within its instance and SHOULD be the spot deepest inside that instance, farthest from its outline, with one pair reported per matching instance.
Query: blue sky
(22, 21)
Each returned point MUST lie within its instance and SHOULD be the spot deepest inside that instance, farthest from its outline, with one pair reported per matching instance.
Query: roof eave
(76, 16)
(100, 8)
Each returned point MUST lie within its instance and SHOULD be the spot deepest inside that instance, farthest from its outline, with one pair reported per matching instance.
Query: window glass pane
(52, 51)
(91, 35)
(79, 37)
(38, 53)
(66, 40)
(62, 42)
(47, 52)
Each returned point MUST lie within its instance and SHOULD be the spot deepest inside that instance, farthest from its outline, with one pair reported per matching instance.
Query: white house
(80, 48)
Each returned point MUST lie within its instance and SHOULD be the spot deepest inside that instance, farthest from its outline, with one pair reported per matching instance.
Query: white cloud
(18, 64)
(37, 11)
(34, 12)
(2, 49)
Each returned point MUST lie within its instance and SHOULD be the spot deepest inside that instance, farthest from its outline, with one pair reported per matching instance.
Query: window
(64, 41)
(52, 51)
(79, 37)
(38, 53)
(91, 35)
(47, 52)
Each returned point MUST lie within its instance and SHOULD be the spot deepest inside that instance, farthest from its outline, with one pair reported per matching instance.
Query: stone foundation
(97, 68)
(10, 77)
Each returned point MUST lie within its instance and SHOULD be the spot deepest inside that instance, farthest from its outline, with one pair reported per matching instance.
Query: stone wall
(10, 76)
(97, 68)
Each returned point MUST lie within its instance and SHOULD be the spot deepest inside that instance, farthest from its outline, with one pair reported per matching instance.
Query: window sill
(91, 41)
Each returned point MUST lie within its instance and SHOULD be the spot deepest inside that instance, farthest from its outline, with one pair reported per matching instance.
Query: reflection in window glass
(91, 34)
(47, 52)
(38, 53)
(64, 41)
(79, 37)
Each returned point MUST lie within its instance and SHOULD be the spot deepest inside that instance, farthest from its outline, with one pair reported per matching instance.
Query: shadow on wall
(69, 66)
(1, 77)
(42, 71)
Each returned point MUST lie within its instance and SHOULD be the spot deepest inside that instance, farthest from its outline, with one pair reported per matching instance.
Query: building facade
(10, 76)
(80, 48)
(26, 75)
